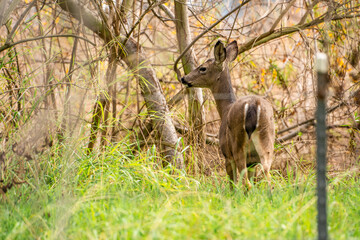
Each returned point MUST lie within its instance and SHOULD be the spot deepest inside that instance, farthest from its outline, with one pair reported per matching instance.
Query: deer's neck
(223, 93)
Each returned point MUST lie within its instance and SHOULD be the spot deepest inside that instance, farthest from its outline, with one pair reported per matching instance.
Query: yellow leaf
(274, 74)
(198, 24)
(213, 20)
(263, 72)
(253, 64)
(340, 62)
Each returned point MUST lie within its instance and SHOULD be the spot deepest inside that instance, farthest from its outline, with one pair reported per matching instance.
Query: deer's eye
(202, 69)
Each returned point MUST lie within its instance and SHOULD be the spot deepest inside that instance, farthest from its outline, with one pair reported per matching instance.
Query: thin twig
(282, 14)
(202, 34)
(12, 33)
(9, 45)
(60, 82)
(268, 36)
(232, 28)
(139, 20)
(311, 120)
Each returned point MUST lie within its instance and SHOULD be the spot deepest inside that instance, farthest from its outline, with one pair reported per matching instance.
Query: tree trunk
(195, 97)
(96, 118)
(132, 55)
(155, 102)
(110, 79)
(6, 9)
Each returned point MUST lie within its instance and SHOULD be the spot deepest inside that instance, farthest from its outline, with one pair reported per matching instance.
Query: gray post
(322, 75)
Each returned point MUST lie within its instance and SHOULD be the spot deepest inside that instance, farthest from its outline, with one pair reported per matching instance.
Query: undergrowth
(115, 194)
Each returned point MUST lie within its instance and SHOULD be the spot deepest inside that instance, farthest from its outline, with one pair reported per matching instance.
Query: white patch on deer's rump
(258, 116)
(245, 111)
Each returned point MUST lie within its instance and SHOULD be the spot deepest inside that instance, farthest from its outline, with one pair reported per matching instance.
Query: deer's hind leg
(264, 144)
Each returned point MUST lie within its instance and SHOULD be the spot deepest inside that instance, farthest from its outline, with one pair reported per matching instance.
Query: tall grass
(117, 195)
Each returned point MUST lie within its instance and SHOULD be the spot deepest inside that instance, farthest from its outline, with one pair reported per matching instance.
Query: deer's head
(208, 73)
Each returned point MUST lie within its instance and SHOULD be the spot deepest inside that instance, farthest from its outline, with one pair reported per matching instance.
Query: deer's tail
(252, 116)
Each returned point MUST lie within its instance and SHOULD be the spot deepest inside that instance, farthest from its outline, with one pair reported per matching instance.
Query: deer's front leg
(240, 158)
(231, 171)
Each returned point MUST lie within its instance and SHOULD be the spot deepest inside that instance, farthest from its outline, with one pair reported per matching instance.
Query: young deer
(246, 123)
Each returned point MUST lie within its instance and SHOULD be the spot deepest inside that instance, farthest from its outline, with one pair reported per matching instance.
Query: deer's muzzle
(183, 81)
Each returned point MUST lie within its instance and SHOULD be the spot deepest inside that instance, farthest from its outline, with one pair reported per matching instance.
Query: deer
(247, 124)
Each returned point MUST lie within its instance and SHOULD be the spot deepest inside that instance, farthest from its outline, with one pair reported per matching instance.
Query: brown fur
(238, 130)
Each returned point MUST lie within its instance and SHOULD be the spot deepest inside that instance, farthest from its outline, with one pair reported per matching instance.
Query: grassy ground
(117, 195)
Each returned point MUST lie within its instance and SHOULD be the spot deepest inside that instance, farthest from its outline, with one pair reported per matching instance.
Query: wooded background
(87, 74)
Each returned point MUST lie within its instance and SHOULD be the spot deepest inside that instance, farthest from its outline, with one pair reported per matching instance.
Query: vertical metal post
(321, 65)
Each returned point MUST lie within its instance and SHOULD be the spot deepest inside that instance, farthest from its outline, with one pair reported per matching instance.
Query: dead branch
(295, 133)
(282, 14)
(311, 120)
(17, 24)
(9, 45)
(271, 35)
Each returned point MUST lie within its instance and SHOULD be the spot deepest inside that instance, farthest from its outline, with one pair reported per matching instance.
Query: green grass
(116, 195)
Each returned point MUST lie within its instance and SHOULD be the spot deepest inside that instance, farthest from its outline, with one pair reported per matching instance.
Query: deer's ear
(219, 52)
(232, 51)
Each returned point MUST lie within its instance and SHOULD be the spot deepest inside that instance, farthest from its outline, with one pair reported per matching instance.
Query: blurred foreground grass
(116, 195)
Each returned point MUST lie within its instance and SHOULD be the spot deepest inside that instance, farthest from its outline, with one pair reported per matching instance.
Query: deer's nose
(185, 82)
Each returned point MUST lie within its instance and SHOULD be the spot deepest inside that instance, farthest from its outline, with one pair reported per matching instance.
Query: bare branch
(167, 11)
(268, 36)
(151, 7)
(309, 9)
(282, 14)
(9, 45)
(296, 132)
(10, 36)
(311, 120)
(202, 34)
